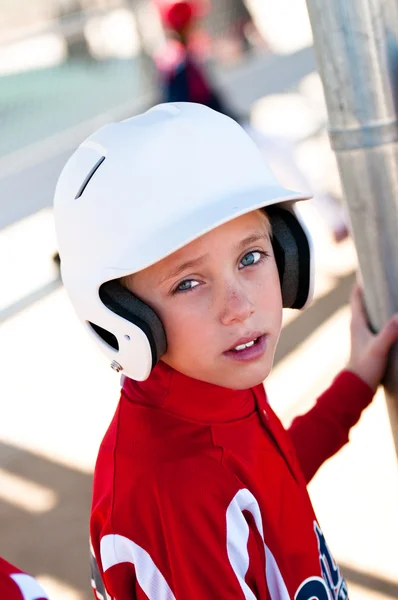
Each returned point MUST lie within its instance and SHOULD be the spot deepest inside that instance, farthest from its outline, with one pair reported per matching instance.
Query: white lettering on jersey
(116, 549)
(237, 539)
(28, 586)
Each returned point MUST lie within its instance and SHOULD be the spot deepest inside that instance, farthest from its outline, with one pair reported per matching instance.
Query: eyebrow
(253, 238)
(196, 262)
(189, 264)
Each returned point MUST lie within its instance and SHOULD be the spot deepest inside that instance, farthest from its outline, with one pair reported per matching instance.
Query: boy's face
(214, 296)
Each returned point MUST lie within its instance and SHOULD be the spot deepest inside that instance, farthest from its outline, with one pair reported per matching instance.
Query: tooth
(243, 346)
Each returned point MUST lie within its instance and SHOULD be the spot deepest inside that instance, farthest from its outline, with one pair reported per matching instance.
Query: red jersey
(200, 493)
(17, 585)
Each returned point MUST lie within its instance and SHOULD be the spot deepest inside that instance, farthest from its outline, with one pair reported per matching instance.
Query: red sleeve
(190, 535)
(17, 585)
(323, 430)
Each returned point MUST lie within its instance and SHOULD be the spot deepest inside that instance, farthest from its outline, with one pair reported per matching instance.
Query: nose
(236, 305)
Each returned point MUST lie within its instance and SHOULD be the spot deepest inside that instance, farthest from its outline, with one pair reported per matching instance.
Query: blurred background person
(182, 77)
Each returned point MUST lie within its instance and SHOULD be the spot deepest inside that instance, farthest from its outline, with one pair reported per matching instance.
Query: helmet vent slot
(89, 176)
(105, 335)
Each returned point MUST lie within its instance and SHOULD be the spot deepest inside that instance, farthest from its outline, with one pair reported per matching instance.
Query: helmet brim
(172, 236)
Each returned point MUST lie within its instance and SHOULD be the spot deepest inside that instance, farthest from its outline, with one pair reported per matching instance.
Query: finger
(359, 315)
(358, 311)
(387, 336)
(354, 298)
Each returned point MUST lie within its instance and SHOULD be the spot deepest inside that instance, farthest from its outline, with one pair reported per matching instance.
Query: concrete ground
(58, 394)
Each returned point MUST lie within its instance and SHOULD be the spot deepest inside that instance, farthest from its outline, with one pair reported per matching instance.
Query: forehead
(231, 233)
(228, 235)
(228, 232)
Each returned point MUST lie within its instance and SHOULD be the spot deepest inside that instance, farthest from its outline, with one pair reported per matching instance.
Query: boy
(178, 250)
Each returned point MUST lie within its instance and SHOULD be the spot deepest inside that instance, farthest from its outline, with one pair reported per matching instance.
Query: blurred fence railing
(69, 24)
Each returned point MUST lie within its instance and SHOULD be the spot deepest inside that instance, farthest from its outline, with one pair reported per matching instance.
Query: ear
(122, 302)
(292, 252)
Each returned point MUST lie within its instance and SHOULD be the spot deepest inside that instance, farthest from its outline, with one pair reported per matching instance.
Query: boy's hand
(369, 351)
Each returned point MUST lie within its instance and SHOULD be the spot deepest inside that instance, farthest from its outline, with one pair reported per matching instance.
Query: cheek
(276, 290)
(185, 329)
(275, 301)
(268, 292)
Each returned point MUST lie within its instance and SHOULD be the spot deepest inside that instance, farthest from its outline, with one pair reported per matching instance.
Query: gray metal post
(356, 43)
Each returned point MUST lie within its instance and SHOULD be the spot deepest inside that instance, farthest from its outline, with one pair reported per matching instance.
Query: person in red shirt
(179, 249)
(17, 585)
(181, 76)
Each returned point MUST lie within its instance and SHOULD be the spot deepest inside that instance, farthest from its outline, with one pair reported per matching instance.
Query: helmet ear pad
(122, 302)
(292, 252)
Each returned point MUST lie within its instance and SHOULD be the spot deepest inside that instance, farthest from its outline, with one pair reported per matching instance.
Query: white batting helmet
(138, 190)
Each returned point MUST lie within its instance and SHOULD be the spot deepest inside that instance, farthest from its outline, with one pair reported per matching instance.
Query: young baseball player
(17, 585)
(179, 249)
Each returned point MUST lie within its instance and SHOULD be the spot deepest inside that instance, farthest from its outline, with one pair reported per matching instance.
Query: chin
(236, 377)
(245, 383)
(246, 378)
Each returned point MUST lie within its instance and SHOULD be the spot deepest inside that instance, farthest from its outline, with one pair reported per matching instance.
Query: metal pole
(356, 43)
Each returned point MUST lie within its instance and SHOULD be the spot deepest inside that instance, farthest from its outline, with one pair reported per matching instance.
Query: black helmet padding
(122, 302)
(292, 254)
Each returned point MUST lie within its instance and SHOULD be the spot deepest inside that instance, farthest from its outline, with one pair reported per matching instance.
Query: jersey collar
(190, 398)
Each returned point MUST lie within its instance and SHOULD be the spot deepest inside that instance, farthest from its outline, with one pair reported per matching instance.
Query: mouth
(249, 348)
(246, 342)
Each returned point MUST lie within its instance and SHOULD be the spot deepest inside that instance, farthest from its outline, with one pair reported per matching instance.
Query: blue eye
(251, 258)
(186, 285)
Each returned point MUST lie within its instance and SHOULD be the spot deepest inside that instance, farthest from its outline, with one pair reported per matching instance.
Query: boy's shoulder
(144, 505)
(149, 458)
(148, 437)
(163, 455)
(144, 435)
(134, 501)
